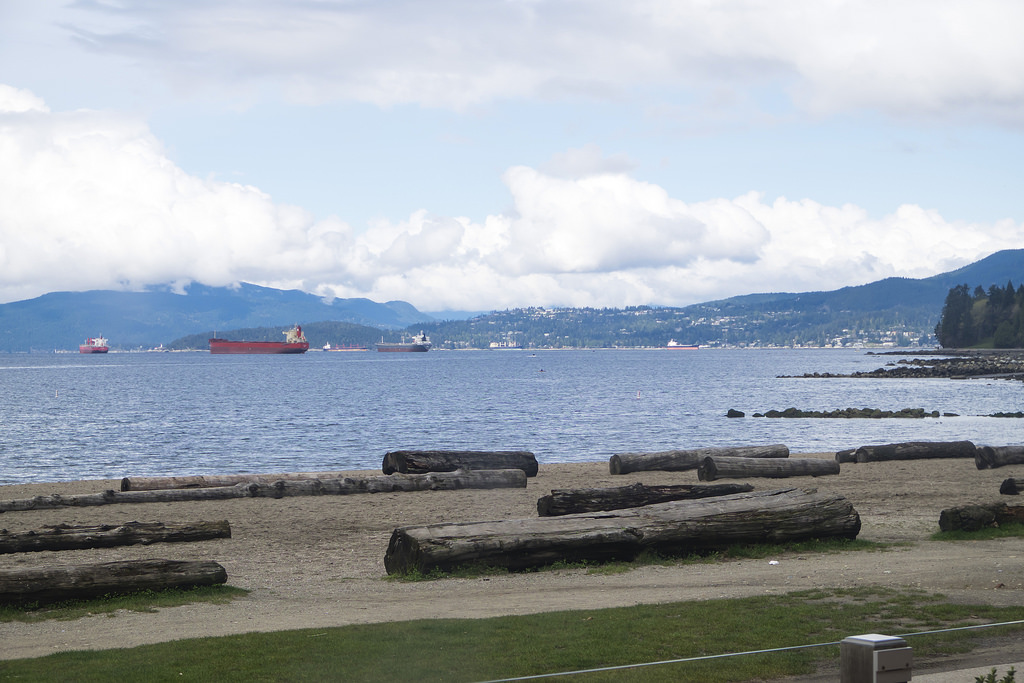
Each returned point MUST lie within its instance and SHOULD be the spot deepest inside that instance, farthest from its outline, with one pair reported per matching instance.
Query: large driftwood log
(437, 481)
(420, 462)
(915, 450)
(573, 501)
(205, 481)
(53, 584)
(976, 517)
(740, 468)
(67, 537)
(990, 457)
(677, 527)
(1011, 487)
(679, 461)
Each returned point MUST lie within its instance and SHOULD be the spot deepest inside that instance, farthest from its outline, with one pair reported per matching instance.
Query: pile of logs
(677, 527)
(680, 461)
(421, 462)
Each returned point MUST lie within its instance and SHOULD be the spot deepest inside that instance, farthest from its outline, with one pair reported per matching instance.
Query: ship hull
(93, 349)
(402, 348)
(226, 346)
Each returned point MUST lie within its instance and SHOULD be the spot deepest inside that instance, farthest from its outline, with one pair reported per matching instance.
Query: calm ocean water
(68, 417)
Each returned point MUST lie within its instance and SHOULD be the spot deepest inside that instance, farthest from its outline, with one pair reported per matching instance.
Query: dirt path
(318, 562)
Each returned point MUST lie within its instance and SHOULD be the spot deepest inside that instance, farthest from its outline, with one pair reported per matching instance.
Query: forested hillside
(993, 317)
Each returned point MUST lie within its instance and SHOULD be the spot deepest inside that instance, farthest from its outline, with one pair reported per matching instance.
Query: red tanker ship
(94, 345)
(295, 342)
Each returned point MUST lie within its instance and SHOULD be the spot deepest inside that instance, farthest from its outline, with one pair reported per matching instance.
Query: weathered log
(846, 455)
(53, 584)
(436, 481)
(67, 537)
(740, 468)
(991, 457)
(976, 517)
(205, 481)
(915, 450)
(110, 496)
(677, 527)
(1011, 487)
(680, 461)
(573, 501)
(421, 462)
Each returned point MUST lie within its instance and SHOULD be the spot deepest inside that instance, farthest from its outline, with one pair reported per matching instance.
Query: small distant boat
(420, 344)
(344, 347)
(295, 342)
(673, 344)
(94, 345)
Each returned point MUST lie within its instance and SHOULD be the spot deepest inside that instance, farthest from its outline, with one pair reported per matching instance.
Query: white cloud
(14, 100)
(912, 58)
(91, 201)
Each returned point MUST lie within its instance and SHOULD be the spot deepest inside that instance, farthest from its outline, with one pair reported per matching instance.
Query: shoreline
(318, 561)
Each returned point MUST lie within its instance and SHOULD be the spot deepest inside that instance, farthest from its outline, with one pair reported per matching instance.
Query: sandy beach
(318, 561)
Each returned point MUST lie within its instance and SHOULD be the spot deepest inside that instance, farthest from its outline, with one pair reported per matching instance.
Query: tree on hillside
(955, 327)
(994, 317)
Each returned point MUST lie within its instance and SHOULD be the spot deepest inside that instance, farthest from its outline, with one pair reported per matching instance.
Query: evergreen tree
(956, 326)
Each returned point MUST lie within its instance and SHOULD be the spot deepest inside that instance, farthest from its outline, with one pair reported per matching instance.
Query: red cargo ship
(94, 345)
(295, 342)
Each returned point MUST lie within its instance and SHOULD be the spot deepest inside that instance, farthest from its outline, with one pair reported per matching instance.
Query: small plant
(990, 677)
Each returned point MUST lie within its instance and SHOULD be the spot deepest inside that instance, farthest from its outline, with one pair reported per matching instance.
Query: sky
(474, 155)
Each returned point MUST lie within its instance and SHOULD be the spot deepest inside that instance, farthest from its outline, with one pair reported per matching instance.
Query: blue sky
(477, 155)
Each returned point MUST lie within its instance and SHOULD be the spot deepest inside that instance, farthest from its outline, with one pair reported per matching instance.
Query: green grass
(139, 601)
(1010, 530)
(482, 649)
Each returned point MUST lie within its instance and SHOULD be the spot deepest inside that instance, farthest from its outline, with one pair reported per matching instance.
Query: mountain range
(62, 320)
(132, 320)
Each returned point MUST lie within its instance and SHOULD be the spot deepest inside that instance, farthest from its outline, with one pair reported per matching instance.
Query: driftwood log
(976, 517)
(53, 584)
(677, 527)
(990, 457)
(573, 501)
(847, 455)
(67, 537)
(439, 481)
(1011, 487)
(740, 468)
(421, 462)
(205, 481)
(915, 450)
(680, 461)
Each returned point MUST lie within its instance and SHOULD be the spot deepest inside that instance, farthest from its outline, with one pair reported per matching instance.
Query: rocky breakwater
(851, 413)
(1006, 365)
